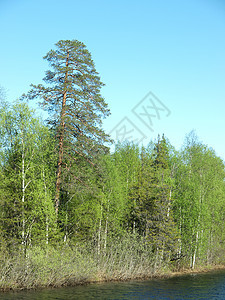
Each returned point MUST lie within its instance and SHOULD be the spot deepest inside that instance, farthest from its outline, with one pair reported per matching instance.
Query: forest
(71, 211)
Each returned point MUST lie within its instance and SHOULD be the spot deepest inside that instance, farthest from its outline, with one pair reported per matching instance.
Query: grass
(124, 259)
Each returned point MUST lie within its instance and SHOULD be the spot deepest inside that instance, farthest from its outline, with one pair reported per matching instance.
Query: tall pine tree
(72, 97)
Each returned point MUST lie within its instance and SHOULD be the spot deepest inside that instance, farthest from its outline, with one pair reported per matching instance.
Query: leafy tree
(113, 203)
(22, 152)
(198, 207)
(127, 161)
(72, 97)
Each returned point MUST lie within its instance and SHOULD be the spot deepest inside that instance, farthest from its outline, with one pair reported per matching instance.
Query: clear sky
(173, 49)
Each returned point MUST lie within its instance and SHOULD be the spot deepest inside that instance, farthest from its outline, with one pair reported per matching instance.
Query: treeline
(173, 200)
(61, 188)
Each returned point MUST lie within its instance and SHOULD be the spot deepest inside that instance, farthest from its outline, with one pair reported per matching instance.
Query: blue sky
(173, 49)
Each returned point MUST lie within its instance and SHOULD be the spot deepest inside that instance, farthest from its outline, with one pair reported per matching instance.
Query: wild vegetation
(72, 212)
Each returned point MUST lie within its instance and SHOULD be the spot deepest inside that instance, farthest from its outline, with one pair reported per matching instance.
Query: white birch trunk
(23, 195)
(195, 252)
(99, 231)
(106, 223)
(46, 219)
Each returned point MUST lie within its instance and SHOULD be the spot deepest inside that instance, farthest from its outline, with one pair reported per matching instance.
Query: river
(195, 286)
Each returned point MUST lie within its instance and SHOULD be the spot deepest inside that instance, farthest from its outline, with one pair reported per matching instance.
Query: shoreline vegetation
(55, 268)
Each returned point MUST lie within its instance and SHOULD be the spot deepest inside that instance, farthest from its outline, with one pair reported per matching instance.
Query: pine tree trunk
(61, 146)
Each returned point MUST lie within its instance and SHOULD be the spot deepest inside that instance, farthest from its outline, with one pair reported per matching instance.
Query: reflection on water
(204, 286)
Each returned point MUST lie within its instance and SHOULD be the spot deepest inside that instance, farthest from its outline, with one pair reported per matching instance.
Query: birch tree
(22, 163)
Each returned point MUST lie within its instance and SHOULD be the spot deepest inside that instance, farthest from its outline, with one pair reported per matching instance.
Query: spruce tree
(72, 97)
(162, 230)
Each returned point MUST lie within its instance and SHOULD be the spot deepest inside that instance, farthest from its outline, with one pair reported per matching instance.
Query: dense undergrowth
(54, 267)
(124, 259)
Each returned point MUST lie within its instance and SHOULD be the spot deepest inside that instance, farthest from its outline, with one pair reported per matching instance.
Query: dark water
(204, 286)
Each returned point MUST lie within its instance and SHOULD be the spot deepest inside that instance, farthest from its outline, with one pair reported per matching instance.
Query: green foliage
(198, 206)
(72, 98)
(127, 160)
(151, 206)
(130, 213)
(26, 152)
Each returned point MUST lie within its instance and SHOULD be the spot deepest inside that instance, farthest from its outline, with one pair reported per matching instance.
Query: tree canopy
(72, 97)
(60, 185)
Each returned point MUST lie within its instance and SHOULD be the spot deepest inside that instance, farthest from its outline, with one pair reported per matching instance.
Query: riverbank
(167, 274)
(55, 267)
(207, 286)
(197, 270)
(23, 275)
(102, 279)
